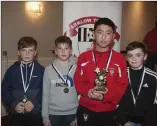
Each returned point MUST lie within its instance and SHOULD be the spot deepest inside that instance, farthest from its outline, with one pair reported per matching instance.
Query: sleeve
(116, 91)
(152, 111)
(38, 98)
(125, 107)
(81, 84)
(6, 89)
(155, 91)
(45, 97)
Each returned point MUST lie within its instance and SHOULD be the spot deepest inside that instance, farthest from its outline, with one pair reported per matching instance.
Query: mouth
(103, 42)
(134, 63)
(63, 55)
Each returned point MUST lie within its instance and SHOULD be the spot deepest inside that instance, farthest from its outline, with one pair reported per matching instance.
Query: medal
(24, 100)
(66, 90)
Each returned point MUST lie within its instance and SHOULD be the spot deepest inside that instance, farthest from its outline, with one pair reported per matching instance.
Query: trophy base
(103, 89)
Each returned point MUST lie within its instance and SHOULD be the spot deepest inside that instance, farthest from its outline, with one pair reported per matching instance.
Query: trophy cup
(100, 80)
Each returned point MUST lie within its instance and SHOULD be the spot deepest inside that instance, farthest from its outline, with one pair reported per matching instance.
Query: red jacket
(117, 80)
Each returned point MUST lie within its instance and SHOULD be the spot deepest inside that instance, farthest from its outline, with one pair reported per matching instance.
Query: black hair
(104, 21)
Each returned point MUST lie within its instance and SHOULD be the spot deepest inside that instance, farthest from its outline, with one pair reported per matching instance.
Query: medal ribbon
(25, 86)
(108, 60)
(134, 99)
(60, 75)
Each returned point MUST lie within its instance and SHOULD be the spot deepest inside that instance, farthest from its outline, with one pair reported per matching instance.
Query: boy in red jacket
(102, 65)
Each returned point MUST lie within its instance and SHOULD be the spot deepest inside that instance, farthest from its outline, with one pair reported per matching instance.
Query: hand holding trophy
(100, 80)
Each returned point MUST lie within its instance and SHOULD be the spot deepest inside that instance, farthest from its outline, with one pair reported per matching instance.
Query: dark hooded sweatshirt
(12, 84)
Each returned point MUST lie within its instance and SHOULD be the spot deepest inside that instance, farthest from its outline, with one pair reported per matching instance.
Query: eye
(99, 32)
(139, 55)
(23, 50)
(108, 33)
(67, 48)
(129, 56)
(59, 48)
(31, 50)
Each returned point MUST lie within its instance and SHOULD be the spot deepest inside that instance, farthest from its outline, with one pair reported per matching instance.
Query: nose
(133, 58)
(104, 36)
(63, 50)
(27, 53)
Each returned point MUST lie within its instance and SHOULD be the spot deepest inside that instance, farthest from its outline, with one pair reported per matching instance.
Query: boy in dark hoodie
(22, 86)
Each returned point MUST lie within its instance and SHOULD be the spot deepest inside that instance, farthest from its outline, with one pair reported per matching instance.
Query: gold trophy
(100, 80)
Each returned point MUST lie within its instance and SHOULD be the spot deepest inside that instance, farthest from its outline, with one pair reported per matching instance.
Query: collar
(23, 64)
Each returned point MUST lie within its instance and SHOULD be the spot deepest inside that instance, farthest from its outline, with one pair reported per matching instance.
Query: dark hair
(104, 21)
(26, 41)
(134, 45)
(63, 39)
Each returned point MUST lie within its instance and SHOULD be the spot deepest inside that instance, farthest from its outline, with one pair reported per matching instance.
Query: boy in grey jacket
(60, 102)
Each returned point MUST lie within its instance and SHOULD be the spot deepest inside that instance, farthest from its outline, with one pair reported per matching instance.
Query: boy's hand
(28, 106)
(47, 123)
(96, 95)
(101, 92)
(19, 107)
(74, 123)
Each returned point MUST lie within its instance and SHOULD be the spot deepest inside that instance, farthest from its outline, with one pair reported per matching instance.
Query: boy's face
(103, 36)
(136, 58)
(63, 51)
(27, 54)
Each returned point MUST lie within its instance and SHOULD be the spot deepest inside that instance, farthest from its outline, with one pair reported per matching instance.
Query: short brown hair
(134, 45)
(26, 41)
(63, 39)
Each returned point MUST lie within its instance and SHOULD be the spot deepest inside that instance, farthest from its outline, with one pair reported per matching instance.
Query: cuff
(45, 119)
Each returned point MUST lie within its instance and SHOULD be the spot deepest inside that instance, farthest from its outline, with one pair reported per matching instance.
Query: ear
(145, 56)
(71, 51)
(114, 35)
(18, 52)
(126, 58)
(35, 53)
(55, 51)
(93, 35)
